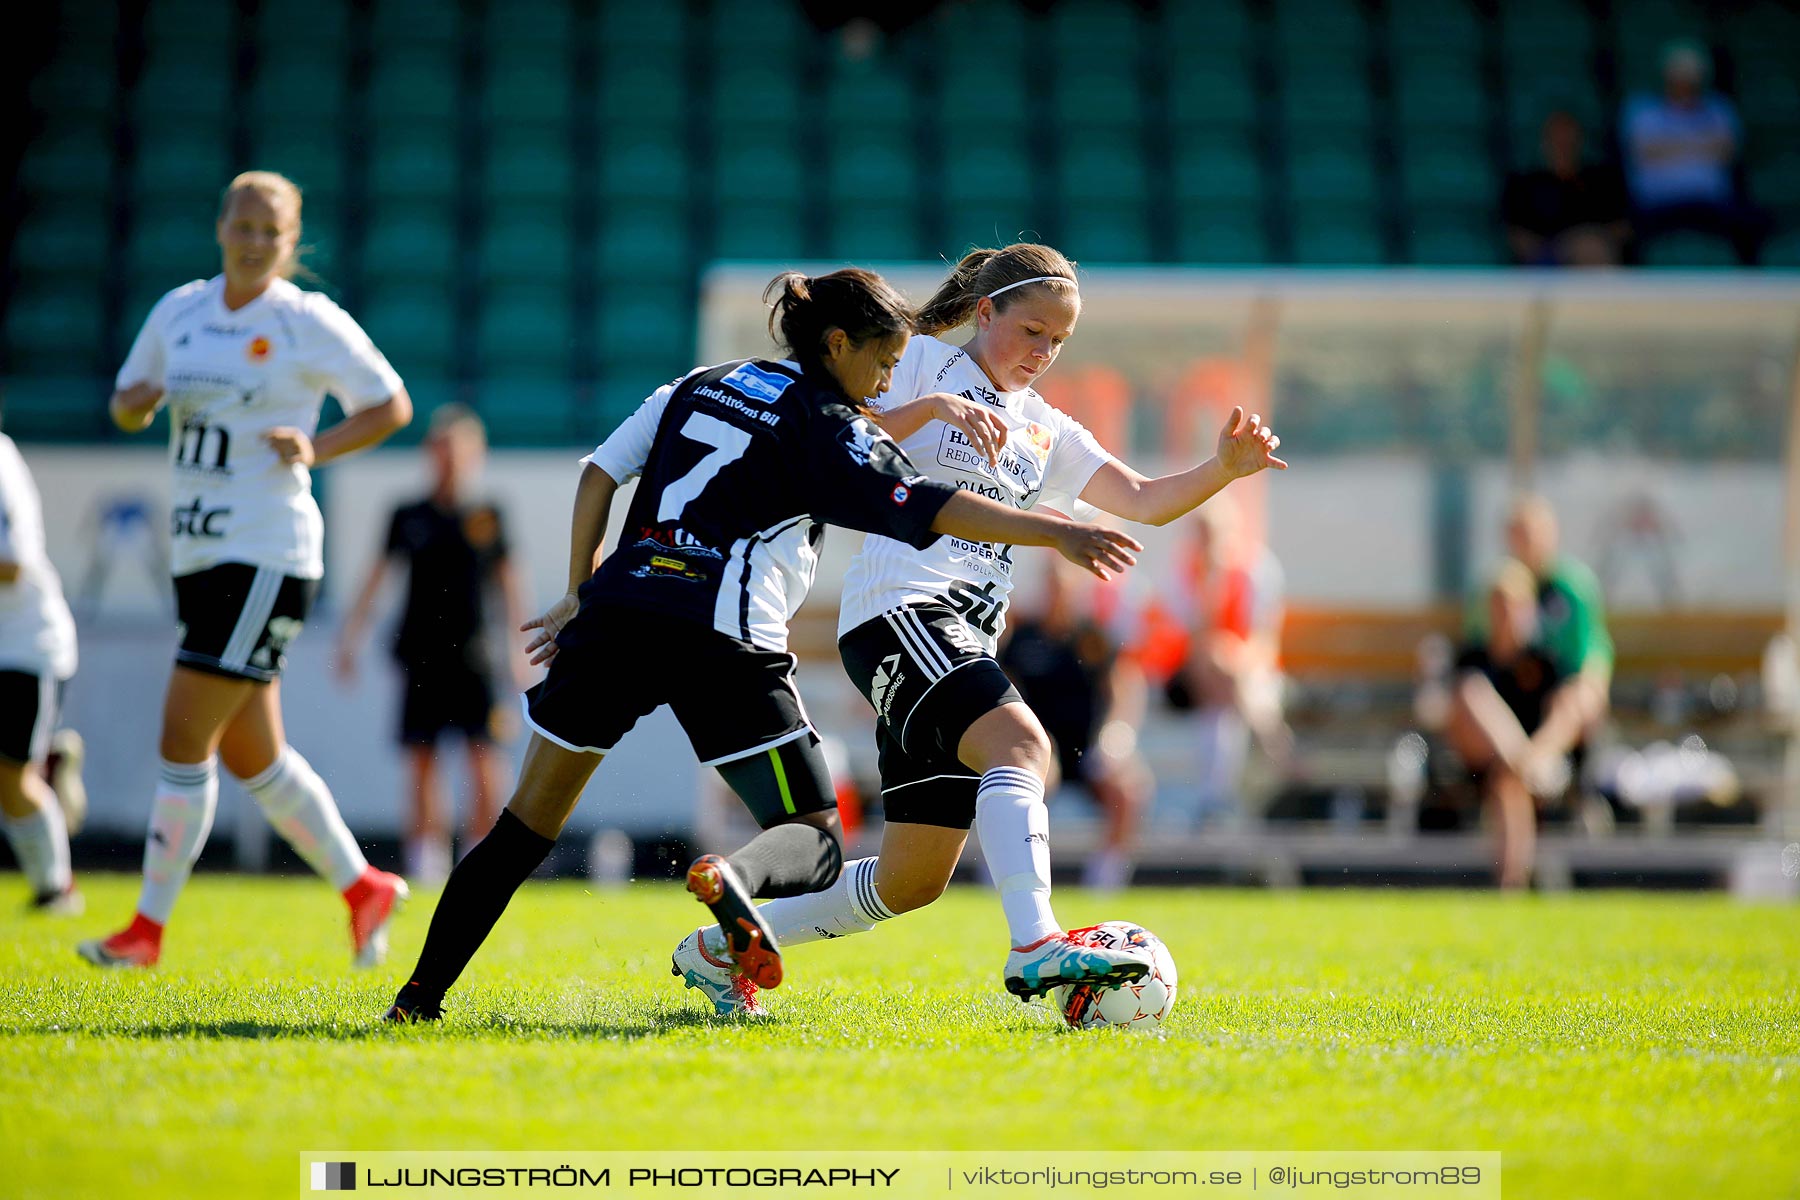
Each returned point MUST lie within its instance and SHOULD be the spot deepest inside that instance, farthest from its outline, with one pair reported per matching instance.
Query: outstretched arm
(1245, 447)
(984, 429)
(587, 530)
(1091, 547)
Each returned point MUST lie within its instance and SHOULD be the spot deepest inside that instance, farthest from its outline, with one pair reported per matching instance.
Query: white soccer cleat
(718, 979)
(1062, 958)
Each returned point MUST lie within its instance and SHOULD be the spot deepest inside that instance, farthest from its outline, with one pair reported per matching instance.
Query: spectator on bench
(1566, 213)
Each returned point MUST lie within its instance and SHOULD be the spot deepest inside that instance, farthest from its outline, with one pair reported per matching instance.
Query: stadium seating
(492, 148)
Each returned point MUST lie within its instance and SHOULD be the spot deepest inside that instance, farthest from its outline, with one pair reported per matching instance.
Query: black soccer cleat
(410, 1009)
(753, 945)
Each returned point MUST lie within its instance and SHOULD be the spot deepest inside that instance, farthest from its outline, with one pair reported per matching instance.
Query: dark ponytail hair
(984, 272)
(804, 309)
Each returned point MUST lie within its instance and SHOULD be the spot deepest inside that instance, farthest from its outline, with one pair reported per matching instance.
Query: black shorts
(28, 707)
(929, 680)
(237, 620)
(437, 697)
(615, 664)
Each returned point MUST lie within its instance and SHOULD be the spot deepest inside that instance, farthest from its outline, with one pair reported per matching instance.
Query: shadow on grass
(488, 1024)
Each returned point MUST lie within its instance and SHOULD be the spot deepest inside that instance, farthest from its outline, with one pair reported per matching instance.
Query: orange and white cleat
(137, 945)
(753, 945)
(373, 900)
(718, 979)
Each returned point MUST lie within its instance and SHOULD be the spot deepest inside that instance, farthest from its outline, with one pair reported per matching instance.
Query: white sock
(428, 859)
(1107, 871)
(1014, 827)
(187, 795)
(41, 844)
(300, 808)
(1223, 742)
(851, 905)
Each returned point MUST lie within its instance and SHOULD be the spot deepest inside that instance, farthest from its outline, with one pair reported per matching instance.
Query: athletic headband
(1034, 279)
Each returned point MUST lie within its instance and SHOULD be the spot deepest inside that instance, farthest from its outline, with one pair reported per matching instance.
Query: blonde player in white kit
(917, 628)
(244, 361)
(37, 657)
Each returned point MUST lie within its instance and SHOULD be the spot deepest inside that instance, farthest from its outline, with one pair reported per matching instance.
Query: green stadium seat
(193, 83)
(55, 327)
(1216, 165)
(1440, 92)
(1006, 100)
(171, 243)
(754, 95)
(772, 31)
(80, 25)
(1101, 232)
(647, 323)
(412, 240)
(527, 409)
(295, 149)
(978, 169)
(71, 159)
(1689, 251)
(1768, 93)
(1774, 172)
(636, 98)
(414, 324)
(397, 23)
(1100, 96)
(413, 161)
(1220, 234)
(641, 167)
(1783, 250)
(68, 239)
(1450, 239)
(1216, 92)
(866, 169)
(523, 330)
(767, 169)
(1447, 170)
(187, 23)
(628, 29)
(299, 82)
(534, 165)
(874, 231)
(759, 229)
(1433, 26)
(1320, 105)
(523, 243)
(1313, 37)
(1647, 31)
(322, 25)
(80, 81)
(415, 82)
(529, 88)
(1530, 29)
(970, 32)
(1326, 175)
(868, 95)
(1097, 28)
(1337, 237)
(641, 239)
(1107, 171)
(1532, 98)
(1201, 35)
(48, 406)
(526, 27)
(991, 221)
(180, 162)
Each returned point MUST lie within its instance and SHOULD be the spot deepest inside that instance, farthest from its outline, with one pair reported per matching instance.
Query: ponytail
(1013, 270)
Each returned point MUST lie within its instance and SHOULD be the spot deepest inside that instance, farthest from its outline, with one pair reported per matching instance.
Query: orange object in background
(1097, 396)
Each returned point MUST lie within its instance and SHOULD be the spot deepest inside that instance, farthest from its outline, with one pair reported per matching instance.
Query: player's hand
(290, 445)
(983, 427)
(542, 646)
(1246, 447)
(1097, 549)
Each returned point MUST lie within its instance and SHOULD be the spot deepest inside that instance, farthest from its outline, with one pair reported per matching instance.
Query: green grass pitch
(1607, 1044)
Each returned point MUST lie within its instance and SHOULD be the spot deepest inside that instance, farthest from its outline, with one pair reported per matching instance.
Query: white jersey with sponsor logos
(1048, 459)
(228, 378)
(37, 635)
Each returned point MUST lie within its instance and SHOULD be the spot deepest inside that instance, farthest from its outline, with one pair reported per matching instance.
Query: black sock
(475, 895)
(789, 860)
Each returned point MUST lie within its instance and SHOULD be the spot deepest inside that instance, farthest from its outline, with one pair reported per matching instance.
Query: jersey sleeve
(146, 360)
(354, 370)
(862, 480)
(624, 454)
(1075, 454)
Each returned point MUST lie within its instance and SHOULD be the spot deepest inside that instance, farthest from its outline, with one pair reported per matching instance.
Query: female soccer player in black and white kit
(742, 466)
(244, 360)
(918, 626)
(37, 656)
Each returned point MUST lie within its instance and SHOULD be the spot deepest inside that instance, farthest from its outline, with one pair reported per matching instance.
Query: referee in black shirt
(456, 554)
